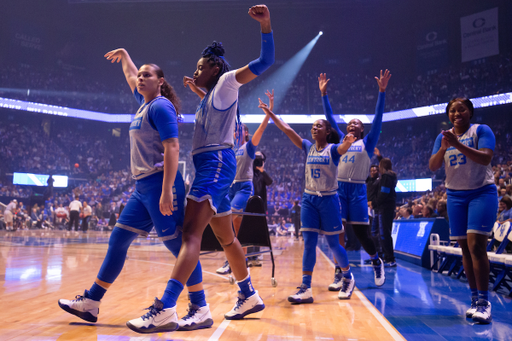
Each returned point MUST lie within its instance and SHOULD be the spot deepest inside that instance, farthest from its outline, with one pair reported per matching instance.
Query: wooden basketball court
(37, 268)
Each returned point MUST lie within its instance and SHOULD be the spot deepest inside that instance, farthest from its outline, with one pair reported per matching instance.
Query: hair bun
(215, 48)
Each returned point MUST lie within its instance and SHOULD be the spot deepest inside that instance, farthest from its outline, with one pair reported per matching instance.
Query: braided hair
(214, 54)
(167, 90)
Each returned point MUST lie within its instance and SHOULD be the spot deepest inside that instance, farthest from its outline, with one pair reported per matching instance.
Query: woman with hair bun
(159, 195)
(215, 164)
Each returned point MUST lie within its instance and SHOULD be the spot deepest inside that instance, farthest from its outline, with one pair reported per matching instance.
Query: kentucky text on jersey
(318, 160)
(467, 142)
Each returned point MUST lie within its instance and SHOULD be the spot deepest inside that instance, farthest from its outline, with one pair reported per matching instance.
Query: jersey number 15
(315, 173)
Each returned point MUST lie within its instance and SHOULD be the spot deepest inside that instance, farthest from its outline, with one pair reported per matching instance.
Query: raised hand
(350, 138)
(383, 80)
(116, 55)
(260, 13)
(263, 106)
(270, 99)
(376, 152)
(322, 83)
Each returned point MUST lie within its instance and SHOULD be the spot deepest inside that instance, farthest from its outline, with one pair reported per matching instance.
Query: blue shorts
(239, 194)
(215, 172)
(354, 203)
(321, 214)
(472, 211)
(142, 211)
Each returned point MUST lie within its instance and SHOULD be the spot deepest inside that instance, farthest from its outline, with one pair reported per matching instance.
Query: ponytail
(333, 136)
(168, 91)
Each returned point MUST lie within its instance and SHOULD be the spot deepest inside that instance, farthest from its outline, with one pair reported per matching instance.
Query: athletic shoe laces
(79, 298)
(154, 310)
(192, 309)
(346, 284)
(302, 289)
(378, 270)
(481, 308)
(241, 300)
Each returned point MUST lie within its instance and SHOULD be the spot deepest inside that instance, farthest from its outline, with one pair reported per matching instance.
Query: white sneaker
(157, 320)
(380, 274)
(245, 306)
(83, 307)
(197, 318)
(483, 312)
(304, 295)
(336, 285)
(225, 269)
(472, 309)
(347, 288)
(254, 263)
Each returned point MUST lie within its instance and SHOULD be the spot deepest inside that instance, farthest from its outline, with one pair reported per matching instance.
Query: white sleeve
(226, 91)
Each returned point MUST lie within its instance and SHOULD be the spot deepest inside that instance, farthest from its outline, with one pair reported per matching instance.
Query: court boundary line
(377, 314)
(220, 330)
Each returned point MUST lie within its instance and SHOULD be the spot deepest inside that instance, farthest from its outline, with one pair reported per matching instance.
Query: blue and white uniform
(154, 122)
(320, 204)
(212, 148)
(354, 166)
(472, 195)
(242, 187)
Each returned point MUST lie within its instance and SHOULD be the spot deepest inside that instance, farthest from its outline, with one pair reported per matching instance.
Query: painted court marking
(383, 321)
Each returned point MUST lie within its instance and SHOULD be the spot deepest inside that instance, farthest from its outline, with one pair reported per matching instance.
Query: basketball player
(467, 150)
(158, 199)
(320, 213)
(353, 170)
(215, 164)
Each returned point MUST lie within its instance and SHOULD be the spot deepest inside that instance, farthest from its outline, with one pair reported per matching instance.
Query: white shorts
(8, 217)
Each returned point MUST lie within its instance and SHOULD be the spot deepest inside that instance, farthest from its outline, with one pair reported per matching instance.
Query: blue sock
(474, 294)
(197, 298)
(375, 260)
(246, 287)
(347, 274)
(483, 295)
(96, 292)
(171, 293)
(306, 280)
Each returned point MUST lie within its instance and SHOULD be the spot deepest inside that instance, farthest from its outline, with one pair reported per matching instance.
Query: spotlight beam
(281, 80)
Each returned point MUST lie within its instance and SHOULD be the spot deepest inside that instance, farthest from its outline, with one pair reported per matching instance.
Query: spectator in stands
(505, 210)
(441, 209)
(428, 212)
(417, 210)
(406, 212)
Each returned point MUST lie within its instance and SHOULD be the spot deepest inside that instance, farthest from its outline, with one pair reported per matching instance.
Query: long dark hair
(464, 100)
(167, 90)
(214, 54)
(333, 136)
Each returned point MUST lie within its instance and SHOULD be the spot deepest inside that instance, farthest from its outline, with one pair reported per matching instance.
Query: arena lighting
(283, 76)
(436, 109)
(320, 33)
